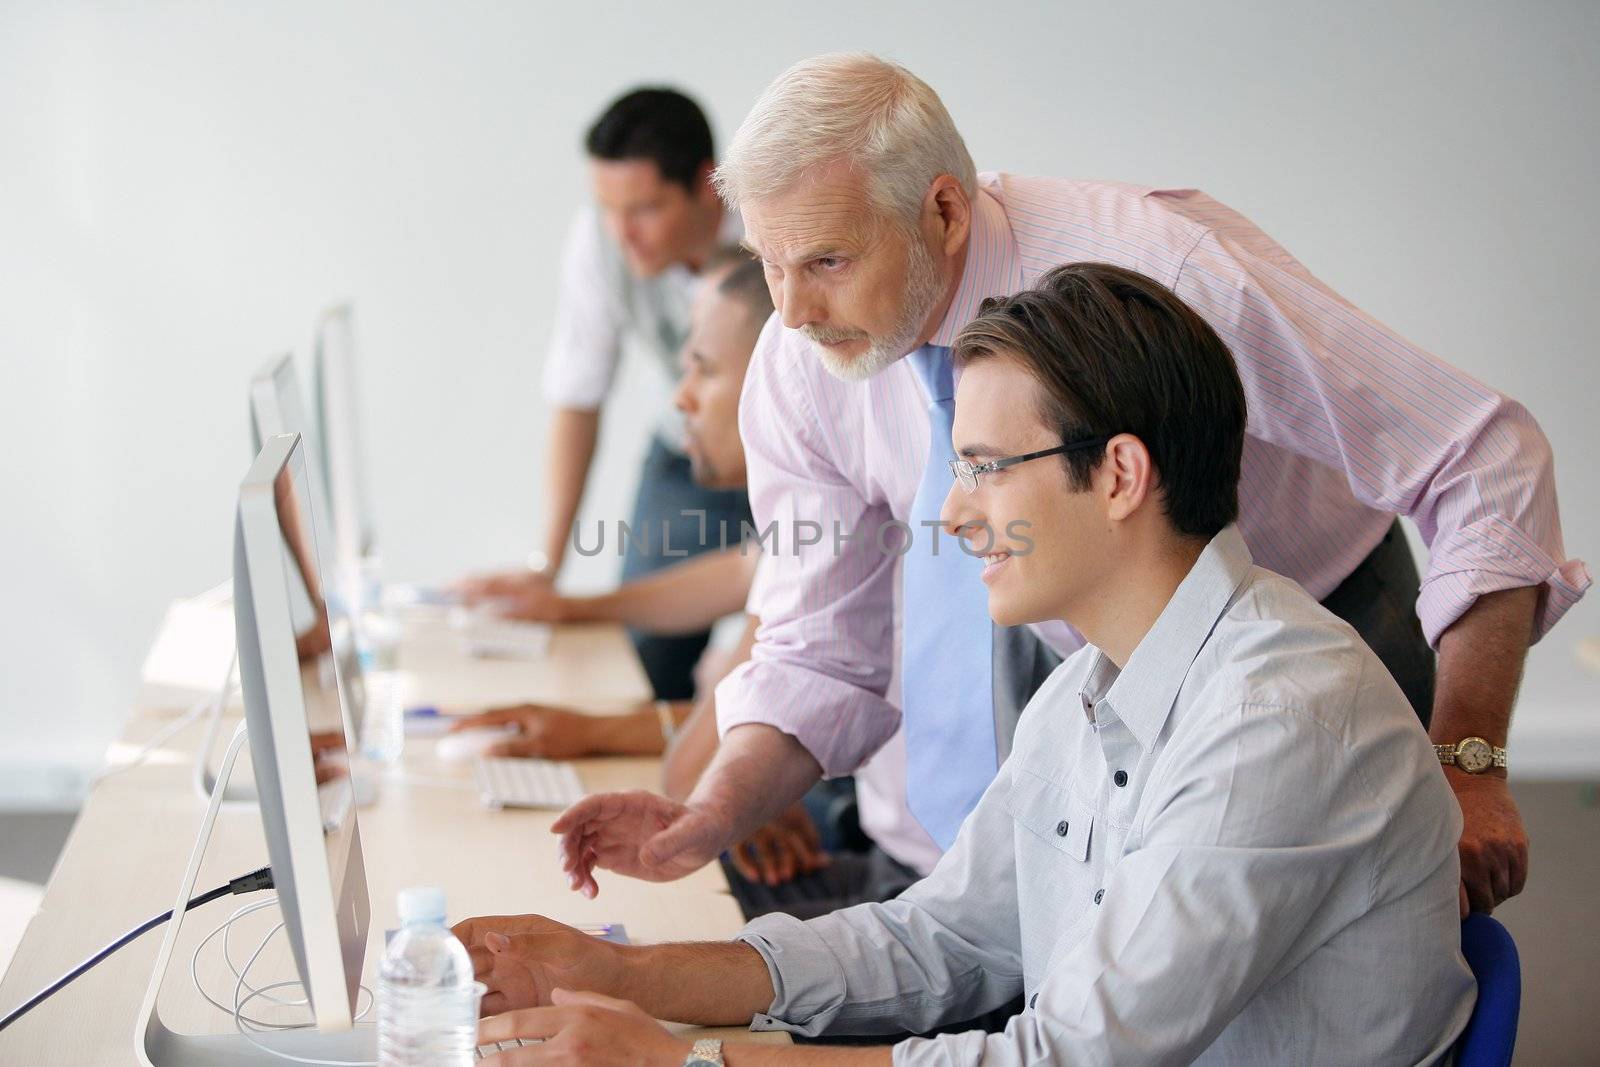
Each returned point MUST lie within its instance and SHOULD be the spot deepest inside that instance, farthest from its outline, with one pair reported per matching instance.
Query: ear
(1126, 478)
(948, 211)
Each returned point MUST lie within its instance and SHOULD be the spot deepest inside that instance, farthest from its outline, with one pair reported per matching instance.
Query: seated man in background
(1219, 821)
(782, 865)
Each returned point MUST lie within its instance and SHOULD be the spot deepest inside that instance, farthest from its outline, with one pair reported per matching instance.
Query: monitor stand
(158, 1046)
(206, 784)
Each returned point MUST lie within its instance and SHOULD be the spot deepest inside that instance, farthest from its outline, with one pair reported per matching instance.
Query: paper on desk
(190, 651)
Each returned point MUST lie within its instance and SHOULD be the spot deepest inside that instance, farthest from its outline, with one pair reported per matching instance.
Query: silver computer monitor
(301, 730)
(336, 396)
(277, 406)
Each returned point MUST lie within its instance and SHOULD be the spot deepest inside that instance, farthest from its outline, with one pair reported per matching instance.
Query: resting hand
(522, 958)
(782, 849)
(529, 595)
(542, 732)
(585, 1029)
(638, 834)
(1494, 845)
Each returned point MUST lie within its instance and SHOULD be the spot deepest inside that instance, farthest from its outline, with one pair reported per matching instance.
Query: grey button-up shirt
(1239, 849)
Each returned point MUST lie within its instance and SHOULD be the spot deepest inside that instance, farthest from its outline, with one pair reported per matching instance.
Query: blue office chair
(1491, 1033)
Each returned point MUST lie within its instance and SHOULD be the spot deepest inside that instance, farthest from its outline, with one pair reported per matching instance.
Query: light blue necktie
(945, 640)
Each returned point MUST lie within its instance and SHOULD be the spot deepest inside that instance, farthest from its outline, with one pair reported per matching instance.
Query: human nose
(684, 399)
(799, 305)
(960, 516)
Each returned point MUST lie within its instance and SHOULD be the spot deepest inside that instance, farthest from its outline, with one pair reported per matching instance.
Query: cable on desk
(246, 883)
(224, 930)
(246, 1027)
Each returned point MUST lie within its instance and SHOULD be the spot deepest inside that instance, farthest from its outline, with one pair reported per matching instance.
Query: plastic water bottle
(383, 729)
(427, 999)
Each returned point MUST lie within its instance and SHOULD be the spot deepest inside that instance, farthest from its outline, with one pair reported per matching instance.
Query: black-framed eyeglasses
(966, 472)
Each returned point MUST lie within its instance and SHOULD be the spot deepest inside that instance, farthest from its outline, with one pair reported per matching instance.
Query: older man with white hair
(880, 241)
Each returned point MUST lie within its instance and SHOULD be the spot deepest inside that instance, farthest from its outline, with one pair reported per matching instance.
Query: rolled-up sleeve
(824, 653)
(946, 950)
(586, 342)
(1412, 435)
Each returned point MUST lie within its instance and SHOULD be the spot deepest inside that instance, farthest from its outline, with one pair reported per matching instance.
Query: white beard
(922, 291)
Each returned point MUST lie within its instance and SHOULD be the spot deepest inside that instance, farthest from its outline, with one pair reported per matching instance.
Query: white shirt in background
(603, 308)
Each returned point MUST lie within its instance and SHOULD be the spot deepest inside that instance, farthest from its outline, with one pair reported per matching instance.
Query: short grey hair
(881, 118)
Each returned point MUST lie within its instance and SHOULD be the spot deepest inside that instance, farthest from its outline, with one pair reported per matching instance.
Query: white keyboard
(485, 1051)
(333, 798)
(527, 783)
(487, 635)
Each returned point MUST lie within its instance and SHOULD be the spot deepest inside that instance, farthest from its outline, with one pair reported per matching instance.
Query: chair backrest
(1491, 1033)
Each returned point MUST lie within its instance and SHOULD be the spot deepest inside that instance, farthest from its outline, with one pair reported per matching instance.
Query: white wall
(183, 187)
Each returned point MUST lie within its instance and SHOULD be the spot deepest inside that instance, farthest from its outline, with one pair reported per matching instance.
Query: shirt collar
(1143, 692)
(992, 267)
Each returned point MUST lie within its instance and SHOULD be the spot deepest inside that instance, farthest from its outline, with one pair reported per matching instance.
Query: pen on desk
(426, 721)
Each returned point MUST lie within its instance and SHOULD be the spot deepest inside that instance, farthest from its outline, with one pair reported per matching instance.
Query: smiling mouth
(992, 562)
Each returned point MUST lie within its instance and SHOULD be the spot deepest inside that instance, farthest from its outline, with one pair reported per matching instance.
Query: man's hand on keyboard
(522, 958)
(587, 1030)
(521, 594)
(636, 833)
(546, 732)
(784, 848)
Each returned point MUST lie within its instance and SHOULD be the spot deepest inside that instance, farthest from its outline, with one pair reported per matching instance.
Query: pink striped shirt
(1349, 425)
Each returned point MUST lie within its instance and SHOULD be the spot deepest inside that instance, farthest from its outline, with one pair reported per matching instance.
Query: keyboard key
(526, 783)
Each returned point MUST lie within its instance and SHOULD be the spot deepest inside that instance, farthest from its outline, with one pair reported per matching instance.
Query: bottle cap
(422, 904)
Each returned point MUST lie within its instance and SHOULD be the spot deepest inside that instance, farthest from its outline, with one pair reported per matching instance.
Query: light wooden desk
(124, 857)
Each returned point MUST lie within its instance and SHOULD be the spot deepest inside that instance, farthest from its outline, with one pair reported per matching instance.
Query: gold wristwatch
(1473, 755)
(707, 1052)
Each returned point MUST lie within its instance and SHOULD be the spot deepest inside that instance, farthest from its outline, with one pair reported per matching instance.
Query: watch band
(707, 1052)
(669, 725)
(1449, 754)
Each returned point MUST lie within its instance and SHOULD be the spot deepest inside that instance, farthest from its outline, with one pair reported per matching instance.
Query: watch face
(1474, 756)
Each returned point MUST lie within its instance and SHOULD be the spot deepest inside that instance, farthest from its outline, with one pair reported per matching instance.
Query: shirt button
(1061, 828)
(1121, 777)
(1099, 894)
(1033, 1001)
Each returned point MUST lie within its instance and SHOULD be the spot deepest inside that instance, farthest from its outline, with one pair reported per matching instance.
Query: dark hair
(661, 125)
(747, 283)
(1117, 352)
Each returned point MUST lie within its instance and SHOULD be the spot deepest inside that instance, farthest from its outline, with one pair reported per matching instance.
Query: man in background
(628, 274)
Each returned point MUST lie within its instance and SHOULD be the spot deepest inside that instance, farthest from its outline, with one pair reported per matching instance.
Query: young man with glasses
(1221, 822)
